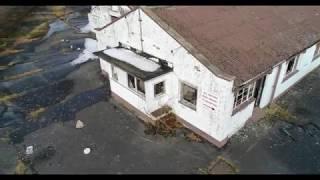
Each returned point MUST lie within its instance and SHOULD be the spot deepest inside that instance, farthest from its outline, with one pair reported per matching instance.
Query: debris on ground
(79, 124)
(165, 126)
(29, 150)
(86, 150)
(194, 137)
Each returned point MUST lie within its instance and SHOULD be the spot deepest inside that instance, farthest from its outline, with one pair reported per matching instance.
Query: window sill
(158, 96)
(242, 106)
(189, 105)
(288, 76)
(141, 95)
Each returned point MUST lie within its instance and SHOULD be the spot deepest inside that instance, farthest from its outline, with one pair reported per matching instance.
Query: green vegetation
(7, 98)
(35, 114)
(277, 112)
(21, 168)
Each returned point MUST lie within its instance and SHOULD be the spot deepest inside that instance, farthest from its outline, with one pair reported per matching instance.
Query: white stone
(29, 150)
(86, 150)
(79, 124)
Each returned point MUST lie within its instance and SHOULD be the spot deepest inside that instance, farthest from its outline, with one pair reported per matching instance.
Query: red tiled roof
(244, 41)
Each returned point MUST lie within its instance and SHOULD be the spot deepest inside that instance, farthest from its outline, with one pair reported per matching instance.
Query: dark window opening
(290, 66)
(140, 86)
(159, 88)
(131, 82)
(136, 84)
(189, 95)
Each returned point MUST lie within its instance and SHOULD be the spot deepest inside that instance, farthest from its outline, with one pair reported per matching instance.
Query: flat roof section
(133, 63)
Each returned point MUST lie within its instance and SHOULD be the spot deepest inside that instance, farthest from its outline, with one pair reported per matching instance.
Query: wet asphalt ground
(62, 93)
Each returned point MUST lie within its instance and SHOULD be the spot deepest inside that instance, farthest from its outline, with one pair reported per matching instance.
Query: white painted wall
(158, 43)
(304, 66)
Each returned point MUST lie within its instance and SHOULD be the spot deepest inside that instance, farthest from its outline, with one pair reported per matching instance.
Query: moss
(18, 76)
(276, 112)
(58, 11)
(7, 98)
(21, 168)
(35, 114)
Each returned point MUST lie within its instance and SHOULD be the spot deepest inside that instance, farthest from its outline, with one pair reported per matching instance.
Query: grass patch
(59, 11)
(21, 168)
(38, 31)
(276, 112)
(35, 114)
(18, 76)
(5, 139)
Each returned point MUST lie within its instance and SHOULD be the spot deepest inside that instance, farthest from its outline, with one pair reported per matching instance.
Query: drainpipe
(141, 40)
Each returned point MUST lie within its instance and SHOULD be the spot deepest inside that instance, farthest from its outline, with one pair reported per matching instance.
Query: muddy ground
(42, 96)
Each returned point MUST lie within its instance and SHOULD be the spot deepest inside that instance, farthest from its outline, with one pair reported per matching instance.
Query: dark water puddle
(59, 112)
(45, 96)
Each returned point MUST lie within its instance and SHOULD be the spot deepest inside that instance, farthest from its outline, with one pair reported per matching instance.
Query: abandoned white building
(212, 65)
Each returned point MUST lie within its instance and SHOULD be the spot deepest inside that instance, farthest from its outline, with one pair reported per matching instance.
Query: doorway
(258, 90)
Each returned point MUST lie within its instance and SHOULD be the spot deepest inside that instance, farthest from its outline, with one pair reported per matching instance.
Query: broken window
(188, 95)
(136, 84)
(244, 94)
(317, 51)
(114, 73)
(159, 88)
(131, 82)
(291, 65)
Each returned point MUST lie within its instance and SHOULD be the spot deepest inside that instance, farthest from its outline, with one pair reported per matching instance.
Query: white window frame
(294, 66)
(317, 51)
(241, 93)
(135, 88)
(187, 103)
(161, 93)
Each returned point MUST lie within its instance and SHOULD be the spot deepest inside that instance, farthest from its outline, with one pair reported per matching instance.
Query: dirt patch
(222, 166)
(165, 126)
(194, 137)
